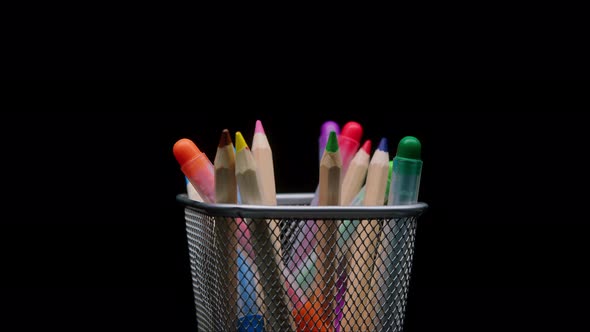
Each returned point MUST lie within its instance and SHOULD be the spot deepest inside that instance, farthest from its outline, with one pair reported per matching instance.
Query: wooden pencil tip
(332, 145)
(383, 144)
(240, 142)
(225, 139)
(367, 146)
(259, 128)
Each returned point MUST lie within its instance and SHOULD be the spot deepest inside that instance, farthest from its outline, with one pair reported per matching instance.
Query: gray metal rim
(292, 205)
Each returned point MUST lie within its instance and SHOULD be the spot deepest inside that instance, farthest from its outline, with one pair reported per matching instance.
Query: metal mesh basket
(295, 267)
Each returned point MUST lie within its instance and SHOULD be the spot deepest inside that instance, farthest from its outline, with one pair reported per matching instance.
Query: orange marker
(312, 318)
(197, 168)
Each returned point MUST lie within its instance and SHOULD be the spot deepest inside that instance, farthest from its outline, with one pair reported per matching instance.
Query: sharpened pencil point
(259, 129)
(367, 146)
(225, 139)
(332, 145)
(383, 145)
(240, 142)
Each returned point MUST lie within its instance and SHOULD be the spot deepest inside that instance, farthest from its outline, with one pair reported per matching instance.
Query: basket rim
(302, 211)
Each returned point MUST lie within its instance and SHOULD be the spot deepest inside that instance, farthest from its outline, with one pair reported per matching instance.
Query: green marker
(405, 182)
(407, 169)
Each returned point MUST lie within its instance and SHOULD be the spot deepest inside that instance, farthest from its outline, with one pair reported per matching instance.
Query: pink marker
(349, 142)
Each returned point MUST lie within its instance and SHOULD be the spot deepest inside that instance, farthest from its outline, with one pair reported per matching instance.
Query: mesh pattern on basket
(248, 281)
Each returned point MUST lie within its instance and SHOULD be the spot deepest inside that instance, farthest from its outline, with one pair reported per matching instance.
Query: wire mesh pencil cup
(295, 267)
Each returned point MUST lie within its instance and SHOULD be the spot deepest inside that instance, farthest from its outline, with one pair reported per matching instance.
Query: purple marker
(325, 130)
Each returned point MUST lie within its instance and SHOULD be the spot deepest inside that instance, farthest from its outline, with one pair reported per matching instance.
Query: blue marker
(251, 319)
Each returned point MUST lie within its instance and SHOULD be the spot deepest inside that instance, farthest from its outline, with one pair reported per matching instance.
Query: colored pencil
(277, 310)
(356, 174)
(358, 312)
(226, 191)
(304, 238)
(325, 130)
(329, 194)
(265, 168)
(262, 153)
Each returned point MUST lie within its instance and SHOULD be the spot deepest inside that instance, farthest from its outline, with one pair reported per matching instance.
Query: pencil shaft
(377, 182)
(348, 144)
(330, 190)
(262, 153)
(225, 185)
(265, 168)
(326, 246)
(277, 307)
(226, 228)
(359, 308)
(354, 177)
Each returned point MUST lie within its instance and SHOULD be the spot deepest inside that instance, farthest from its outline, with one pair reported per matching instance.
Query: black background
(207, 40)
(92, 239)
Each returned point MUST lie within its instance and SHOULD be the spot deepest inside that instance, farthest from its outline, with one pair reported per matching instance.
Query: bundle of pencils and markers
(322, 287)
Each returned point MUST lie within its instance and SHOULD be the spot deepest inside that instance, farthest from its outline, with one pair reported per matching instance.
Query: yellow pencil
(277, 312)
